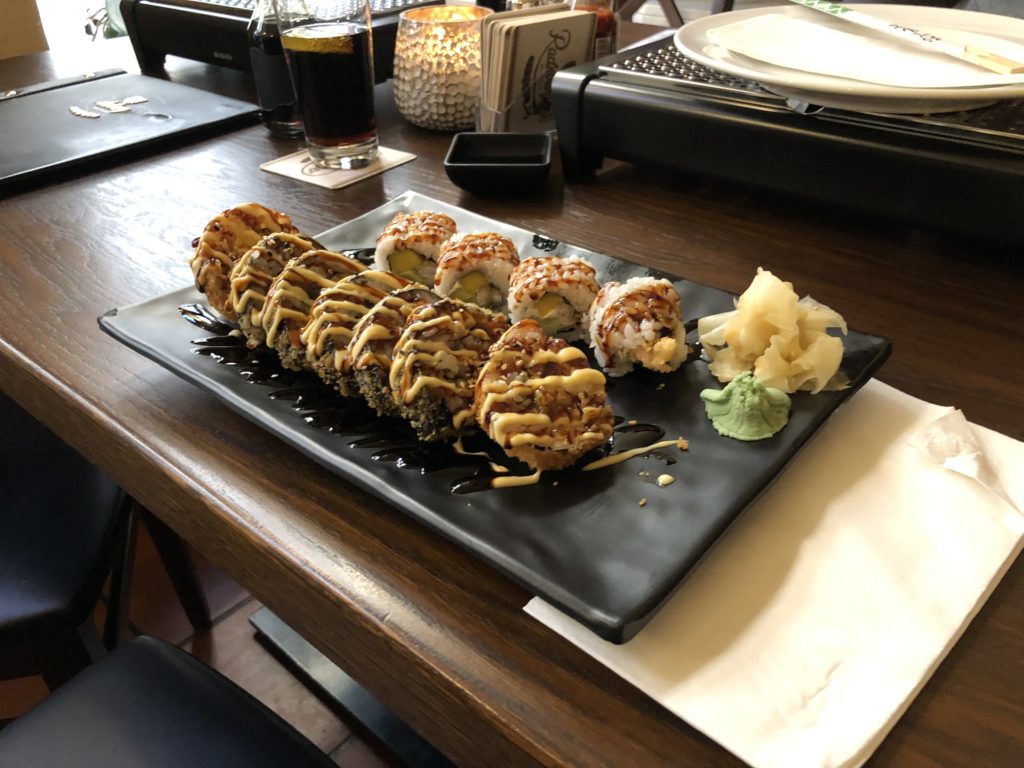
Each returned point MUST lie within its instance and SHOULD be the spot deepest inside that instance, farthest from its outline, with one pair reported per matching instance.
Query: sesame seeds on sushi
(638, 322)
(226, 237)
(410, 244)
(332, 319)
(436, 361)
(554, 291)
(290, 299)
(538, 398)
(476, 267)
(253, 274)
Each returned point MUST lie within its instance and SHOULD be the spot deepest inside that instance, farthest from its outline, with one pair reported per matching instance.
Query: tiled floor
(228, 647)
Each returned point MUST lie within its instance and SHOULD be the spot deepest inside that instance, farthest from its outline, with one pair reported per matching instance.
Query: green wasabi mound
(746, 409)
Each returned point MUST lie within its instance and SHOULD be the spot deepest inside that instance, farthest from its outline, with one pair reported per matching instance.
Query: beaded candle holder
(437, 66)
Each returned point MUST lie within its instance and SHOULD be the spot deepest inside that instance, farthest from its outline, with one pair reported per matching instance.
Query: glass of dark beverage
(329, 48)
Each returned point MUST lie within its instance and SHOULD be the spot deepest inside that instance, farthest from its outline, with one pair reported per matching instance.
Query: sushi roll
(410, 244)
(372, 347)
(437, 359)
(638, 322)
(254, 272)
(332, 319)
(476, 268)
(539, 399)
(291, 296)
(555, 292)
(224, 240)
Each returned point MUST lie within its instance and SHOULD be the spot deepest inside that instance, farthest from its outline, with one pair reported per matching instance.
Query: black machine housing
(960, 172)
(214, 31)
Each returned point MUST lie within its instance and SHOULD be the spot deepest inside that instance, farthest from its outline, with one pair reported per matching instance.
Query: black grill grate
(1000, 125)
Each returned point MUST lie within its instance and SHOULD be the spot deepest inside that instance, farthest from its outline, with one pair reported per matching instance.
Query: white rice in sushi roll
(476, 268)
(638, 322)
(410, 244)
(555, 292)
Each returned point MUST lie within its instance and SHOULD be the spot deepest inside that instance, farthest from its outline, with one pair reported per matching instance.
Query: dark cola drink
(331, 65)
(278, 110)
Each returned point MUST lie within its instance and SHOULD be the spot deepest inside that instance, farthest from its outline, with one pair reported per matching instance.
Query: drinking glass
(329, 48)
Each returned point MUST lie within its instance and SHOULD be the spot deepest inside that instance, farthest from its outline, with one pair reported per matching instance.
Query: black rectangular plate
(579, 540)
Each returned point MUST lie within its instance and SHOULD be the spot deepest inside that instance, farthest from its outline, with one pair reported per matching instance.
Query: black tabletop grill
(214, 31)
(960, 171)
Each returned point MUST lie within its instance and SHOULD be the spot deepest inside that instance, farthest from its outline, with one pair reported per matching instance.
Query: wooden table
(433, 632)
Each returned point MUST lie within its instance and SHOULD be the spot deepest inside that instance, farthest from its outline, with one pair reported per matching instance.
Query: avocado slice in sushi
(476, 288)
(466, 286)
(406, 263)
(553, 313)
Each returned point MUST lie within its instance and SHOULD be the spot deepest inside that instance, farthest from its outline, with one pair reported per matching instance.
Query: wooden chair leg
(181, 567)
(115, 628)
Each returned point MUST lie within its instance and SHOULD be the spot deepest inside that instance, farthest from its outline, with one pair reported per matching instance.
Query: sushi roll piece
(539, 399)
(332, 319)
(476, 268)
(290, 299)
(555, 292)
(437, 359)
(372, 347)
(410, 244)
(638, 322)
(254, 272)
(224, 241)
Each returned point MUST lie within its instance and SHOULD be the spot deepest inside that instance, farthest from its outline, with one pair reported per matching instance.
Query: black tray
(579, 540)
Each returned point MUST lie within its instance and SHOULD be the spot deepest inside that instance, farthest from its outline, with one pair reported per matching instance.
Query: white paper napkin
(812, 625)
(860, 54)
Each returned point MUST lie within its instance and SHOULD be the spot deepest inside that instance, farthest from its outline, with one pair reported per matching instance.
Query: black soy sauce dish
(499, 163)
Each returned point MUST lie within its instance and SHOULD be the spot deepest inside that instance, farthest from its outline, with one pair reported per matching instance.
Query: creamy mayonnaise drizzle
(237, 230)
(253, 274)
(450, 339)
(249, 285)
(616, 458)
(511, 429)
(459, 448)
(515, 480)
(339, 309)
(382, 324)
(299, 284)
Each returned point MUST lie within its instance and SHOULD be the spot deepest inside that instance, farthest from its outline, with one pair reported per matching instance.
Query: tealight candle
(437, 66)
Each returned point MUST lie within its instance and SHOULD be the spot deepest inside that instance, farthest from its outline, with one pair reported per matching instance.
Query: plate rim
(690, 40)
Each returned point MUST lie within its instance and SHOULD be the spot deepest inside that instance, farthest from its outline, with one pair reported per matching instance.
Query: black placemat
(582, 541)
(42, 137)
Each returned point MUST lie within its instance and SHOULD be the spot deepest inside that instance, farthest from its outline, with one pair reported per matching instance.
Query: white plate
(829, 91)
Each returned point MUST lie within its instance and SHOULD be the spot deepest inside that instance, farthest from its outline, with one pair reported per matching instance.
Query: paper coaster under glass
(299, 165)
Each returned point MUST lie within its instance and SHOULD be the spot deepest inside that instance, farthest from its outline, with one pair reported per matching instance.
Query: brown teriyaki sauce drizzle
(390, 439)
